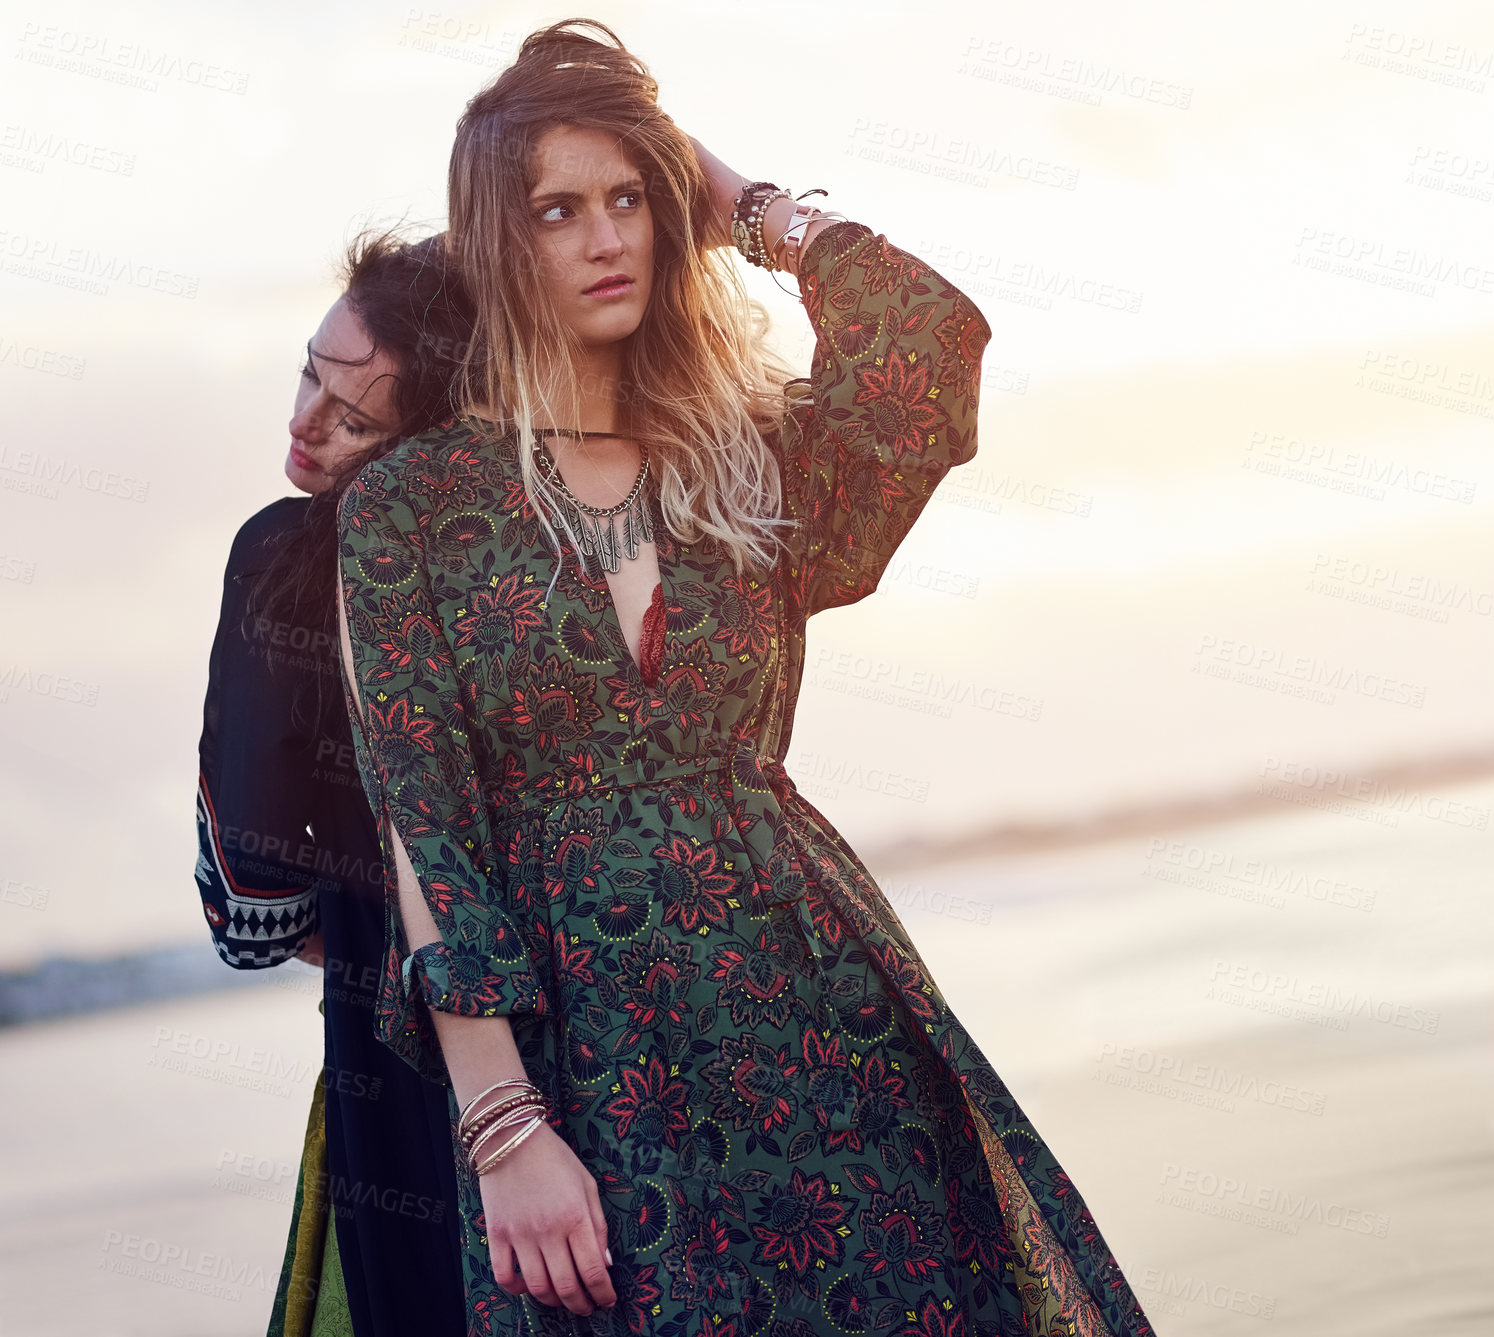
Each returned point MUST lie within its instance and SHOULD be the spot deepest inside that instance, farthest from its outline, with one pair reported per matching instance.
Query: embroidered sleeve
(889, 408)
(255, 857)
(413, 755)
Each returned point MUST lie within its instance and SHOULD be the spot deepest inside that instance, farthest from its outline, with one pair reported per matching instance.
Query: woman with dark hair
(706, 1084)
(288, 860)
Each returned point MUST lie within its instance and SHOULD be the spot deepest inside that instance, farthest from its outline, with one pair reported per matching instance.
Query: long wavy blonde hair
(699, 385)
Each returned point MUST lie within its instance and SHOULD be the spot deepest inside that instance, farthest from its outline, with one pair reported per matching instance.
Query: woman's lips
(619, 289)
(302, 460)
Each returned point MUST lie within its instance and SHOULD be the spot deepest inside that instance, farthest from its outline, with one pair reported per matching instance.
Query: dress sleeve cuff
(466, 982)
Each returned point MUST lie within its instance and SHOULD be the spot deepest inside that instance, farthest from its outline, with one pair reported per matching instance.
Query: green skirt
(311, 1300)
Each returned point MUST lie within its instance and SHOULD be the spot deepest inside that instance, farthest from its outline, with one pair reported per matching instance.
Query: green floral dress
(791, 1131)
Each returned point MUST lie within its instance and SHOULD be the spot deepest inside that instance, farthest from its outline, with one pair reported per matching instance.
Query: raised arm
(890, 405)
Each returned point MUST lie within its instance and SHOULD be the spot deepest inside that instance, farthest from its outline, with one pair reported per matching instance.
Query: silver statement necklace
(596, 539)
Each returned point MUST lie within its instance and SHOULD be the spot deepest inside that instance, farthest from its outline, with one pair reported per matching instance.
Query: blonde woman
(574, 632)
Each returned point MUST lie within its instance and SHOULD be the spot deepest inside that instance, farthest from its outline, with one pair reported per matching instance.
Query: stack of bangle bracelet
(749, 214)
(524, 1109)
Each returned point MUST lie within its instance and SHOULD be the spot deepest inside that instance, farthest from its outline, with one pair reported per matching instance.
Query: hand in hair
(725, 185)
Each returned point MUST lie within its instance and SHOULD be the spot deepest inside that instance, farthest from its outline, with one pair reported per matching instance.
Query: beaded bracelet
(747, 220)
(478, 1127)
(507, 1081)
(511, 1119)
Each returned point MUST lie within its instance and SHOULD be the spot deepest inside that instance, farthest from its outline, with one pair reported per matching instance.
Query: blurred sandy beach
(1276, 1102)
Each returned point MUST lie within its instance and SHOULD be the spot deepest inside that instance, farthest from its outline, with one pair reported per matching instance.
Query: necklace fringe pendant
(601, 541)
(638, 527)
(596, 541)
(591, 538)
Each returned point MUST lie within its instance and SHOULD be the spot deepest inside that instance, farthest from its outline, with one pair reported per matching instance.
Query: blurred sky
(1235, 434)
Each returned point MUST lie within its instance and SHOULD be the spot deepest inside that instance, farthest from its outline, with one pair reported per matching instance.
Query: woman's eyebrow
(566, 196)
(351, 408)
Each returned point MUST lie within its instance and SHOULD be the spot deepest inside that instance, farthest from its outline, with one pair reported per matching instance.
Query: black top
(287, 844)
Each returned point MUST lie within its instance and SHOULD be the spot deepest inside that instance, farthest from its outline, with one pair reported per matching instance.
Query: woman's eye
(558, 213)
(352, 429)
(308, 372)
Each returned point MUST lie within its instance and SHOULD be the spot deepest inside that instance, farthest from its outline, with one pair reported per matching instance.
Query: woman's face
(340, 410)
(594, 233)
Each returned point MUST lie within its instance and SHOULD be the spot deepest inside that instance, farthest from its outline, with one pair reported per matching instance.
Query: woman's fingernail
(608, 1252)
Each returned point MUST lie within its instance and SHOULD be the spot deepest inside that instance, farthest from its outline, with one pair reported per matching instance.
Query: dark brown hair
(414, 308)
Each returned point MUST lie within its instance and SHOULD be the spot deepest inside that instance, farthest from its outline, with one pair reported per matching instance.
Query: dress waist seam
(513, 803)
